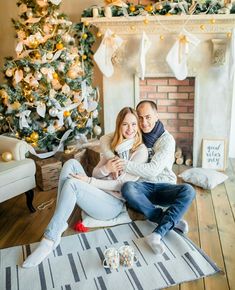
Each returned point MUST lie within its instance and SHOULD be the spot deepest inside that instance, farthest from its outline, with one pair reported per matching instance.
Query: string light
(146, 21)
(212, 21)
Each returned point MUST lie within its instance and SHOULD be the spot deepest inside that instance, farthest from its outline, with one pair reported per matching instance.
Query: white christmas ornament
(144, 47)
(95, 114)
(53, 112)
(97, 130)
(41, 109)
(51, 129)
(103, 55)
(177, 56)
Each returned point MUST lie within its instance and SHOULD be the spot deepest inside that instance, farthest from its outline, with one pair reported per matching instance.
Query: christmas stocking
(144, 47)
(177, 56)
(103, 55)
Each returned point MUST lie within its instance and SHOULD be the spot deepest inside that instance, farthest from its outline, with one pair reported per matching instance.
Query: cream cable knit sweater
(103, 180)
(159, 169)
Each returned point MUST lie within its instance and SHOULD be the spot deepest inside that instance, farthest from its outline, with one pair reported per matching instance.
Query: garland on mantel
(185, 7)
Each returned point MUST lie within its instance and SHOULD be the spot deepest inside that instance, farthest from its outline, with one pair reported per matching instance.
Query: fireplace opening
(175, 101)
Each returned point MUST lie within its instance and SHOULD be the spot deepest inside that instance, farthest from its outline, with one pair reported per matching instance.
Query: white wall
(232, 132)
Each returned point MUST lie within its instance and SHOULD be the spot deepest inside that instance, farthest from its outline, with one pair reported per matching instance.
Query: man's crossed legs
(145, 197)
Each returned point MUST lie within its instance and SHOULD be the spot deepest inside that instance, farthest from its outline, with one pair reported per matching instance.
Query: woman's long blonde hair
(118, 138)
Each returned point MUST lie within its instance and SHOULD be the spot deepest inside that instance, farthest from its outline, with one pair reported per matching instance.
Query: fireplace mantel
(209, 23)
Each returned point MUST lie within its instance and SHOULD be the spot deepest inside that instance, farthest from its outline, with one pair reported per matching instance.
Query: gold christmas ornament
(7, 156)
(229, 35)
(34, 43)
(132, 8)
(149, 8)
(84, 36)
(67, 113)
(86, 23)
(34, 136)
(84, 56)
(55, 76)
(17, 134)
(99, 34)
(59, 46)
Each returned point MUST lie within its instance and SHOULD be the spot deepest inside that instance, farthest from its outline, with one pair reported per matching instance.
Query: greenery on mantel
(165, 8)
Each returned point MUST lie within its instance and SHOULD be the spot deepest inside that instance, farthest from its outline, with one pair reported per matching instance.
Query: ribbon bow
(60, 114)
(23, 121)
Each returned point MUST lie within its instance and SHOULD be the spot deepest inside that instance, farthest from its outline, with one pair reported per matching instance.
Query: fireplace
(210, 95)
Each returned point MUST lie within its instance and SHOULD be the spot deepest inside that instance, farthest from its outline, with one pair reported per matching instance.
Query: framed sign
(214, 154)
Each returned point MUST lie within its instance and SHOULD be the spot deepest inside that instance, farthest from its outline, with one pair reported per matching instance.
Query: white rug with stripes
(77, 262)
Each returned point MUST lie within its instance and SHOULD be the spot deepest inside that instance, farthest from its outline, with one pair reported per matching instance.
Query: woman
(96, 193)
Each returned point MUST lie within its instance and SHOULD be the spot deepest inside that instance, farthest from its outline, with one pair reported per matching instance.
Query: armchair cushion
(18, 175)
(18, 148)
(16, 170)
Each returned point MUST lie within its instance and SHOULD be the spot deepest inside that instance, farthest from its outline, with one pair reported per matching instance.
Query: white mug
(127, 256)
(111, 258)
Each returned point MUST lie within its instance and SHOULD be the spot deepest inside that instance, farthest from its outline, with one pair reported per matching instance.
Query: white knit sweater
(159, 169)
(103, 180)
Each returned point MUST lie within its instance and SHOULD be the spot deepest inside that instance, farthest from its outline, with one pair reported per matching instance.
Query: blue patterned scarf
(151, 137)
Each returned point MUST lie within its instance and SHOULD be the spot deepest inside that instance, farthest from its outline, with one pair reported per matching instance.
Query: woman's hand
(114, 165)
(81, 177)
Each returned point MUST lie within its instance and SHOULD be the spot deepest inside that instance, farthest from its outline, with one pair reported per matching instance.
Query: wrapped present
(47, 173)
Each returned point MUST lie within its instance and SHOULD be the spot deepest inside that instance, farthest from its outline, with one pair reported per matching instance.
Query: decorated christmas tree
(48, 94)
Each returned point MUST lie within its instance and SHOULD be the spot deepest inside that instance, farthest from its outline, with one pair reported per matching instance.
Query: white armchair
(18, 175)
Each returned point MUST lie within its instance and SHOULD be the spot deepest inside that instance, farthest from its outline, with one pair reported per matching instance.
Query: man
(157, 186)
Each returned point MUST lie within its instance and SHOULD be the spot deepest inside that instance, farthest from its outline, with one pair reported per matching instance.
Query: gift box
(79, 155)
(47, 173)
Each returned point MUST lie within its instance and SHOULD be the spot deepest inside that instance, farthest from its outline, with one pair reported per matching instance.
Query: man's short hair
(151, 103)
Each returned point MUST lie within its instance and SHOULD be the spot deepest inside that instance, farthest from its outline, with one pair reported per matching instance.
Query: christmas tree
(48, 89)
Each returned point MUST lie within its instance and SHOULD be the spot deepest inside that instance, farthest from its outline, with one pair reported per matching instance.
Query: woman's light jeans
(71, 191)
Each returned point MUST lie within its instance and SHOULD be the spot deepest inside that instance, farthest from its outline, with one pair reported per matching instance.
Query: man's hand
(114, 165)
(81, 177)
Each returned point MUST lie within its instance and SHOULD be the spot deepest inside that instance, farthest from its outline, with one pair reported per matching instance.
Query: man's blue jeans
(145, 197)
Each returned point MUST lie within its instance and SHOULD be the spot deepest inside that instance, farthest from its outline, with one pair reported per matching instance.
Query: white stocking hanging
(104, 53)
(178, 54)
(144, 47)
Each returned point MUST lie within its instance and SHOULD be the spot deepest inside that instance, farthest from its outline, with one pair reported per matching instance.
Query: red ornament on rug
(79, 227)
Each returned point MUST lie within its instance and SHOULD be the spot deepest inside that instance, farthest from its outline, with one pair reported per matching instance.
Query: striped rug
(76, 263)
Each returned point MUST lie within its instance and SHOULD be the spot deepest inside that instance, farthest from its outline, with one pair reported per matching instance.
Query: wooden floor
(211, 219)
